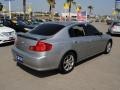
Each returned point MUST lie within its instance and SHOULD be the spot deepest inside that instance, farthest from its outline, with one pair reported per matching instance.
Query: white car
(7, 34)
(114, 28)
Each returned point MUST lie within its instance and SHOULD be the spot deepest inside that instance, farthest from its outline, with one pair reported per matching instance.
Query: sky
(101, 7)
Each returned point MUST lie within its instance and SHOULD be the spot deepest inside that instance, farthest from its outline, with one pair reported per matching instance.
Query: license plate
(19, 59)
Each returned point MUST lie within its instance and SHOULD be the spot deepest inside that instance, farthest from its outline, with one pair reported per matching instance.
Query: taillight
(41, 47)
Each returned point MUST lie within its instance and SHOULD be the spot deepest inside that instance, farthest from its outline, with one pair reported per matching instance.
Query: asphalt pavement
(99, 73)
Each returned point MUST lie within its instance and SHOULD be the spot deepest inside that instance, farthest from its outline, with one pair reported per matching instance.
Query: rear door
(79, 42)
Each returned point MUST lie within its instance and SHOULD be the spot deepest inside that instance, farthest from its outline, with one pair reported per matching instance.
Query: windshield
(1, 24)
(47, 29)
(117, 23)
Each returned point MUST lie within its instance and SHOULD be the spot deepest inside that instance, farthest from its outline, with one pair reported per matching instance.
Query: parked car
(114, 28)
(29, 25)
(102, 20)
(24, 25)
(109, 21)
(6, 34)
(14, 24)
(59, 45)
(34, 23)
(19, 25)
(97, 20)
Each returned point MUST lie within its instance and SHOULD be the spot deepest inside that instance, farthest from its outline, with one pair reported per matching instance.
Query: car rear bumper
(114, 32)
(41, 63)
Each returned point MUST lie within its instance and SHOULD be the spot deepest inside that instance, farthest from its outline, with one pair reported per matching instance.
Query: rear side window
(47, 29)
(76, 31)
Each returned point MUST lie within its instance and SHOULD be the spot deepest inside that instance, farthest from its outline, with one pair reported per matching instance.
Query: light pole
(9, 9)
(1, 7)
(117, 7)
(24, 8)
(9, 5)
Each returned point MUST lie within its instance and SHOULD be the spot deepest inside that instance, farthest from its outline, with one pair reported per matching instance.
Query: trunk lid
(24, 41)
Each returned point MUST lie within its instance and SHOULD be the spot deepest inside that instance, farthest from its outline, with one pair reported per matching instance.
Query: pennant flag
(66, 6)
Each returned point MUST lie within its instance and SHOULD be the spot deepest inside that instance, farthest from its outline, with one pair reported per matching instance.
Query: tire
(67, 63)
(108, 47)
(108, 33)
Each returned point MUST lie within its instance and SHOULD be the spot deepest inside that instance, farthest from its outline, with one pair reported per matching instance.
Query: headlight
(27, 29)
(1, 35)
(14, 33)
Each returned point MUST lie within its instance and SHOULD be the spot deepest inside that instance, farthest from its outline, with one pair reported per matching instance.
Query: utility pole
(24, 8)
(117, 7)
(9, 9)
(9, 5)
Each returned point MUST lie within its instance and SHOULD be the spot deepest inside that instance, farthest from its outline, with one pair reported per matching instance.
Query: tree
(1, 6)
(78, 8)
(51, 6)
(70, 2)
(90, 9)
(24, 7)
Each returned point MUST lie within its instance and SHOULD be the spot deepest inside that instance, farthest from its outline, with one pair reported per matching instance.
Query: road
(99, 73)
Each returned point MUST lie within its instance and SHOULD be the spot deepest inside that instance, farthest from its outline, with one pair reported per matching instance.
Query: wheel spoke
(109, 47)
(66, 67)
(68, 62)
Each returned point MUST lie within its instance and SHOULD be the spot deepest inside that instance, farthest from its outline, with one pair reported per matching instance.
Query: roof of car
(116, 21)
(66, 23)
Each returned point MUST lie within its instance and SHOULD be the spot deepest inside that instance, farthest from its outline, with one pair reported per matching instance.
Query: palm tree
(24, 7)
(74, 4)
(51, 5)
(70, 2)
(70, 5)
(1, 6)
(90, 9)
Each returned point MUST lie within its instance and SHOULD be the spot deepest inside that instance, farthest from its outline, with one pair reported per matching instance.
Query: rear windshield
(47, 29)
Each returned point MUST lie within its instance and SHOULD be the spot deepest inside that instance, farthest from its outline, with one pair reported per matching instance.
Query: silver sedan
(114, 28)
(59, 45)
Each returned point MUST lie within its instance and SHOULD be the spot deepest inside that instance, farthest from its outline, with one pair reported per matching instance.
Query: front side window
(47, 29)
(91, 31)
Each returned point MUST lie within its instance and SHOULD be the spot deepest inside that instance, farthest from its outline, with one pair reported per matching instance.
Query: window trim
(88, 29)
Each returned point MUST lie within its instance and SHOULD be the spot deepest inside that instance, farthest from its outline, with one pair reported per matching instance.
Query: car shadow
(7, 44)
(39, 74)
(115, 35)
(43, 74)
